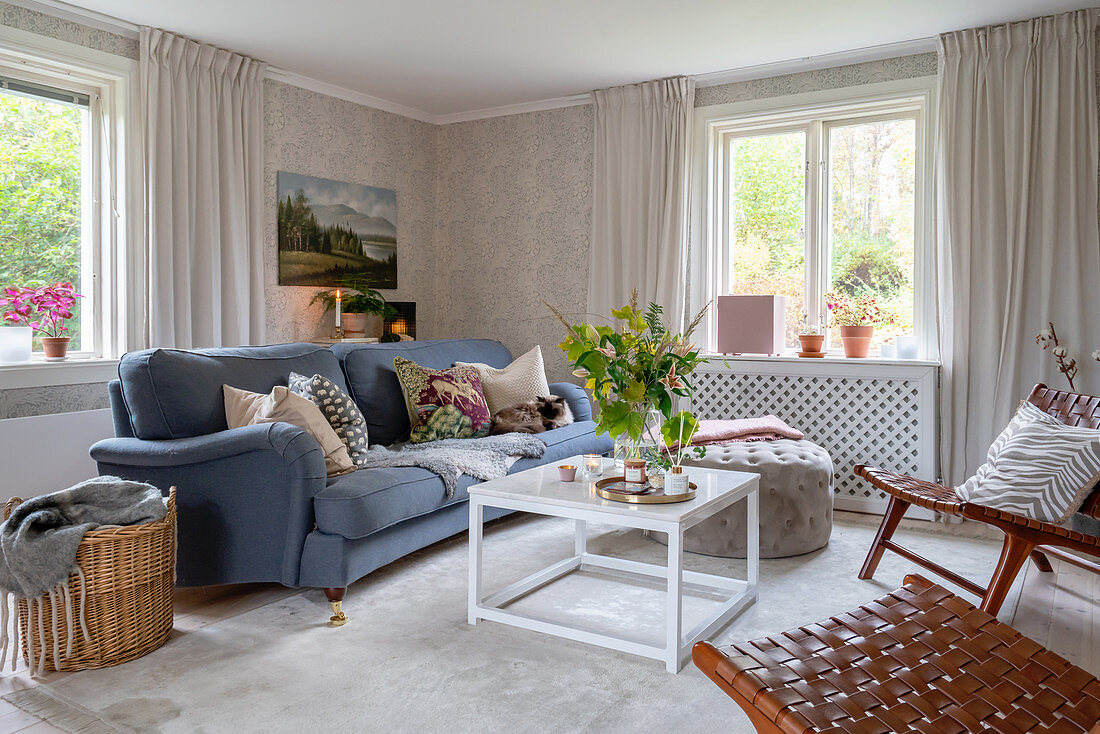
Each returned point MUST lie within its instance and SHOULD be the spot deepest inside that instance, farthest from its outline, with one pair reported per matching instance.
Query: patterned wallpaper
(26, 401)
(837, 77)
(312, 133)
(493, 215)
(514, 216)
(514, 199)
(66, 30)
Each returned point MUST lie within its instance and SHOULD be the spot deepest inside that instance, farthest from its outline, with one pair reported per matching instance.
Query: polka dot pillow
(340, 410)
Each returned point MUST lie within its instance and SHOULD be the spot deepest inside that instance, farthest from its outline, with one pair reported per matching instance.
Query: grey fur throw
(483, 458)
(38, 542)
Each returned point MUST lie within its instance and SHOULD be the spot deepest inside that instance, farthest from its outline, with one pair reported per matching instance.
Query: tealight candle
(593, 465)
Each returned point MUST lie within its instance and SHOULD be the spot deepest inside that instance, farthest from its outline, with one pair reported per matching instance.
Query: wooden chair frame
(1024, 537)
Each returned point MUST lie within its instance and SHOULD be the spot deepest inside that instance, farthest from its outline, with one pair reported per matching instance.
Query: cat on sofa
(533, 416)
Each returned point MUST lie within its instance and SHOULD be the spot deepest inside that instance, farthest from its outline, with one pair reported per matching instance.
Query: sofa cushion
(433, 393)
(340, 410)
(372, 381)
(244, 408)
(561, 443)
(356, 505)
(172, 393)
(519, 382)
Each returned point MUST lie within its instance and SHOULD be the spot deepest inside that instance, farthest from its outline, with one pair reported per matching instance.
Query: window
(821, 198)
(45, 167)
(70, 194)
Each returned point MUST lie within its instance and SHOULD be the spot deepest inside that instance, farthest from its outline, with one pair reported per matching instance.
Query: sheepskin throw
(483, 458)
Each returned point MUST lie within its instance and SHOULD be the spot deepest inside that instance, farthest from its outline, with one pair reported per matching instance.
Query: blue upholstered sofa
(254, 502)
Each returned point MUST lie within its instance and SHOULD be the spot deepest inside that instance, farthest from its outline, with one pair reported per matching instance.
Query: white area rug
(408, 661)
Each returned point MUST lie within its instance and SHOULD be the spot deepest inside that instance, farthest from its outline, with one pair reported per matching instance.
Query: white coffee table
(540, 491)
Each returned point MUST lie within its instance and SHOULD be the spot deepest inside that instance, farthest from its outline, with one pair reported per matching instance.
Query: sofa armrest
(576, 397)
(245, 497)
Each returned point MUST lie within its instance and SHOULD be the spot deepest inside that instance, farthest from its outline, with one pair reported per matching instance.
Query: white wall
(45, 453)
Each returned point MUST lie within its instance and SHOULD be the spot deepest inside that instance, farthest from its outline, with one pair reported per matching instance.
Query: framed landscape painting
(330, 232)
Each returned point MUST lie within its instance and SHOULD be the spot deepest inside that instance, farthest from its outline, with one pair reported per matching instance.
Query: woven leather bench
(918, 659)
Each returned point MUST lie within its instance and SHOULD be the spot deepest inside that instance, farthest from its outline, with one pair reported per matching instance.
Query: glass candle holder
(907, 347)
(15, 343)
(593, 465)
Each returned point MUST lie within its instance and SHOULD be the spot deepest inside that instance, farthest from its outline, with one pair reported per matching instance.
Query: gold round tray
(647, 495)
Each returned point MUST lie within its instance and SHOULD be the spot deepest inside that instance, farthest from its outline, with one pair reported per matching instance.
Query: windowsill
(827, 359)
(40, 373)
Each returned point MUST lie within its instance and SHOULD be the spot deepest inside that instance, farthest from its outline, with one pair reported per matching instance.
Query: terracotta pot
(358, 325)
(811, 342)
(55, 347)
(856, 340)
(355, 324)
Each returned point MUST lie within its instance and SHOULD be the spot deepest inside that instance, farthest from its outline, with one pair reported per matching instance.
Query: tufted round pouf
(796, 500)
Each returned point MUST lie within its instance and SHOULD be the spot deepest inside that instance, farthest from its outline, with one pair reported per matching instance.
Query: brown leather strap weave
(918, 659)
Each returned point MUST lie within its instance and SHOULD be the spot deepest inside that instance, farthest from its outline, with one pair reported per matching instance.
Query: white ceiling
(447, 56)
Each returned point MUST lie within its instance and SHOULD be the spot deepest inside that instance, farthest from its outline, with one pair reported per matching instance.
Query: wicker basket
(129, 573)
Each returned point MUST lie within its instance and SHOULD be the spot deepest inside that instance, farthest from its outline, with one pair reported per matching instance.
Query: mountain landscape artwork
(330, 232)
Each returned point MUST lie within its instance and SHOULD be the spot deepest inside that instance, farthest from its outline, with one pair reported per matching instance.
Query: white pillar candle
(337, 309)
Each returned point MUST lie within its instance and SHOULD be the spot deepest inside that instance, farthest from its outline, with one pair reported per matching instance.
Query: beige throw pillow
(523, 380)
(244, 408)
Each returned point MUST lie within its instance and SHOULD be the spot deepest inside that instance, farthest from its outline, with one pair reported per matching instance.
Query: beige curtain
(640, 207)
(203, 115)
(1017, 199)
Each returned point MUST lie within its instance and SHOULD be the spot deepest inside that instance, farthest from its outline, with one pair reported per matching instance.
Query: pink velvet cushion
(426, 390)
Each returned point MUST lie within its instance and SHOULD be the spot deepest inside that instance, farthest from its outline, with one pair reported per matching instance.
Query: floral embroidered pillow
(427, 390)
(340, 410)
(446, 421)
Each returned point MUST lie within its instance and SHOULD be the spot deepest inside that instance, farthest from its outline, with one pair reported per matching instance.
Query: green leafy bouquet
(634, 368)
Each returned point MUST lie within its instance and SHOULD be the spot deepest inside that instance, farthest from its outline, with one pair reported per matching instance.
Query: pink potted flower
(856, 318)
(45, 310)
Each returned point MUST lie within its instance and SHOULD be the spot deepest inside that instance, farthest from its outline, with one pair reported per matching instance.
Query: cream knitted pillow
(523, 380)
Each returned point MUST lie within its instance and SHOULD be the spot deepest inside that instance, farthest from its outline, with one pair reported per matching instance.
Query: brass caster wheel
(338, 618)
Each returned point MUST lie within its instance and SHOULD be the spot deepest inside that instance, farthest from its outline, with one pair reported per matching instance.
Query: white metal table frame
(738, 593)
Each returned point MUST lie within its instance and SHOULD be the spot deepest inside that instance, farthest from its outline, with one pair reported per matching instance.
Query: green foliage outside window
(871, 185)
(769, 215)
(40, 194)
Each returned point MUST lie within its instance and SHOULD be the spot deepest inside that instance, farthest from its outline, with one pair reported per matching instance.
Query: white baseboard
(45, 453)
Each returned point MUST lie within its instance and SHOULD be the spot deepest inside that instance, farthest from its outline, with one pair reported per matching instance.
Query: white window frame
(91, 331)
(113, 199)
(816, 113)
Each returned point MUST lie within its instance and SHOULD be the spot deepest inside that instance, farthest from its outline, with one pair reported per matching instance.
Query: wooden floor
(1060, 610)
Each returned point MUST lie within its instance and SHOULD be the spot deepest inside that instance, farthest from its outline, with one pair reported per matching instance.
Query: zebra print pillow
(1038, 467)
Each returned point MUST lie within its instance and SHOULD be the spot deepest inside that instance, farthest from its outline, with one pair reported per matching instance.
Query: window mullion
(814, 250)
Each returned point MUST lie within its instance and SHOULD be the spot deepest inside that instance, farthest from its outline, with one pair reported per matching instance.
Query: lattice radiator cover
(885, 418)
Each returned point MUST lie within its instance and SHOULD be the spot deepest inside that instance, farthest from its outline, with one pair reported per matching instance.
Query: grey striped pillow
(1038, 467)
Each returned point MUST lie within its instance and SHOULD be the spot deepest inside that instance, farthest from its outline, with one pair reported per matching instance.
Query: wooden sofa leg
(1041, 561)
(1014, 553)
(894, 511)
(335, 597)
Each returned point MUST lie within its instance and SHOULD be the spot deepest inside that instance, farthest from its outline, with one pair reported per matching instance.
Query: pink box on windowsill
(752, 324)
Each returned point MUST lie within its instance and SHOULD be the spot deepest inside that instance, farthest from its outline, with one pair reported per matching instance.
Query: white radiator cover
(863, 412)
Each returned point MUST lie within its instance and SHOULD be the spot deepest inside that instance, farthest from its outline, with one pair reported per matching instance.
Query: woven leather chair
(919, 659)
(1023, 537)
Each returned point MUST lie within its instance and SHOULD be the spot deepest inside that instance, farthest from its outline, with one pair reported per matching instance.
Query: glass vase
(645, 447)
